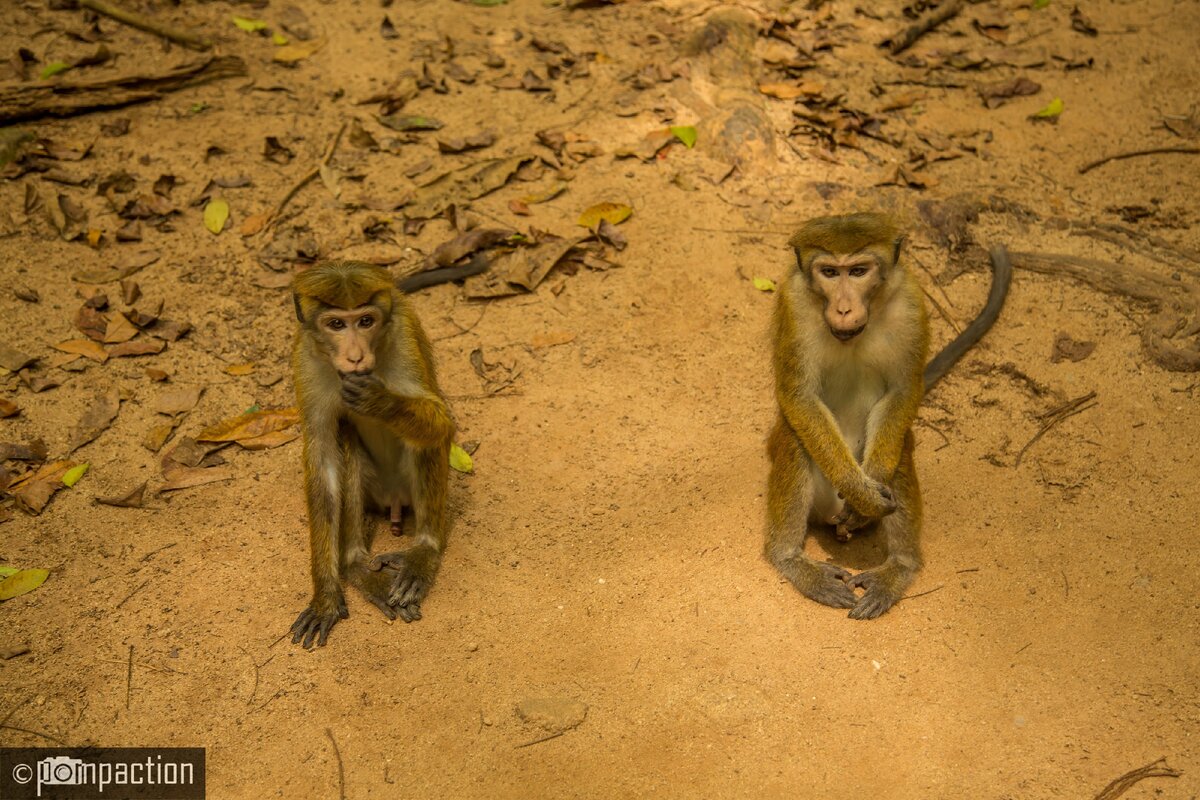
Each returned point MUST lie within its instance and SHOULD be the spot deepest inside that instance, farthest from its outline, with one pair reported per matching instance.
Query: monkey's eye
(336, 324)
(828, 272)
(858, 272)
(366, 322)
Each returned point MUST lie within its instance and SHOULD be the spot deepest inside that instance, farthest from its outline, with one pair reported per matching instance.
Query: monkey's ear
(896, 251)
(299, 309)
(799, 257)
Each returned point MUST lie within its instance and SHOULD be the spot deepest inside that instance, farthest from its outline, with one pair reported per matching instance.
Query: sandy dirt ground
(606, 553)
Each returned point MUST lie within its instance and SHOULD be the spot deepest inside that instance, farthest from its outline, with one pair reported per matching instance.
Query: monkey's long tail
(951, 353)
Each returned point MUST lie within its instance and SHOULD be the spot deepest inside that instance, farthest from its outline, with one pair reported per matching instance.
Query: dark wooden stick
(905, 39)
(135, 20)
(22, 103)
(1155, 769)
(1134, 154)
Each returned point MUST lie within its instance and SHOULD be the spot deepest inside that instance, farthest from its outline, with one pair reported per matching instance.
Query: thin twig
(129, 679)
(1055, 416)
(35, 733)
(968, 569)
(1134, 154)
(154, 552)
(13, 711)
(341, 768)
(145, 583)
(942, 312)
(922, 594)
(1155, 769)
(135, 20)
(539, 741)
(899, 42)
(305, 179)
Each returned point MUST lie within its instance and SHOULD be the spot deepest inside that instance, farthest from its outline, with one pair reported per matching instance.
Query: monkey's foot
(313, 624)
(824, 583)
(376, 586)
(884, 586)
(412, 572)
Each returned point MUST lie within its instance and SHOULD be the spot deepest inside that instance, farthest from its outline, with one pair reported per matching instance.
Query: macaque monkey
(850, 343)
(377, 436)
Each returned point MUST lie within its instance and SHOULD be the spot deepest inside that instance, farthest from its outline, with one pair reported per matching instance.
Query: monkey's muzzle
(845, 336)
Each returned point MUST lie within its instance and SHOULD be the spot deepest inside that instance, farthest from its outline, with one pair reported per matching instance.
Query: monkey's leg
(414, 569)
(885, 584)
(789, 502)
(355, 526)
(324, 474)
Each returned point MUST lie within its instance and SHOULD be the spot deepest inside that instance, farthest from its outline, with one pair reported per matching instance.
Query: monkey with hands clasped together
(377, 435)
(850, 341)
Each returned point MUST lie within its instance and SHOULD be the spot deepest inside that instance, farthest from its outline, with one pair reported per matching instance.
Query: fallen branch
(24, 103)
(899, 42)
(1155, 769)
(135, 20)
(1134, 154)
(305, 179)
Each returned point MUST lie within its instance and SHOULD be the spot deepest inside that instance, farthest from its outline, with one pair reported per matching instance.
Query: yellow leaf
(1051, 111)
(21, 582)
(6, 571)
(216, 214)
(291, 53)
(73, 475)
(615, 213)
(279, 39)
(460, 460)
(249, 25)
(685, 134)
(764, 284)
(239, 369)
(93, 237)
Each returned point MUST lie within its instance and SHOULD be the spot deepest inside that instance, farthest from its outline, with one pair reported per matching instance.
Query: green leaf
(489, 3)
(764, 284)
(216, 214)
(685, 134)
(72, 476)
(249, 25)
(53, 68)
(1051, 111)
(1040, 3)
(24, 581)
(410, 122)
(460, 460)
(196, 108)
(615, 213)
(6, 571)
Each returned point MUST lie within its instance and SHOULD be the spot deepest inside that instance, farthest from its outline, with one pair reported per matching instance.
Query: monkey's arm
(816, 428)
(422, 420)
(890, 420)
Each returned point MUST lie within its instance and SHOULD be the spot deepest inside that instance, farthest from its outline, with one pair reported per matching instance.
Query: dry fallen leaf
(141, 347)
(268, 440)
(468, 183)
(14, 360)
(188, 477)
(83, 347)
(96, 419)
(178, 400)
(239, 369)
(33, 492)
(22, 582)
(134, 498)
(551, 339)
(291, 53)
(251, 425)
(8, 409)
(119, 329)
(615, 213)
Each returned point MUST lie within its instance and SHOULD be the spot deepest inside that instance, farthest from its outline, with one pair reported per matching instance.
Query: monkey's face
(349, 337)
(847, 283)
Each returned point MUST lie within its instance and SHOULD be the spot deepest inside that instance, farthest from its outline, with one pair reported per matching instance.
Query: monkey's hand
(884, 587)
(875, 502)
(415, 570)
(364, 393)
(316, 621)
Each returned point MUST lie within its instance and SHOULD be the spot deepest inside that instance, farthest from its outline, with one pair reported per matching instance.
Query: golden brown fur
(841, 449)
(373, 438)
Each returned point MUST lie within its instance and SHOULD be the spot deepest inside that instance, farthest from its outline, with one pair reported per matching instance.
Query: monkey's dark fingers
(410, 612)
(389, 560)
(408, 589)
(382, 605)
(879, 596)
(301, 624)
